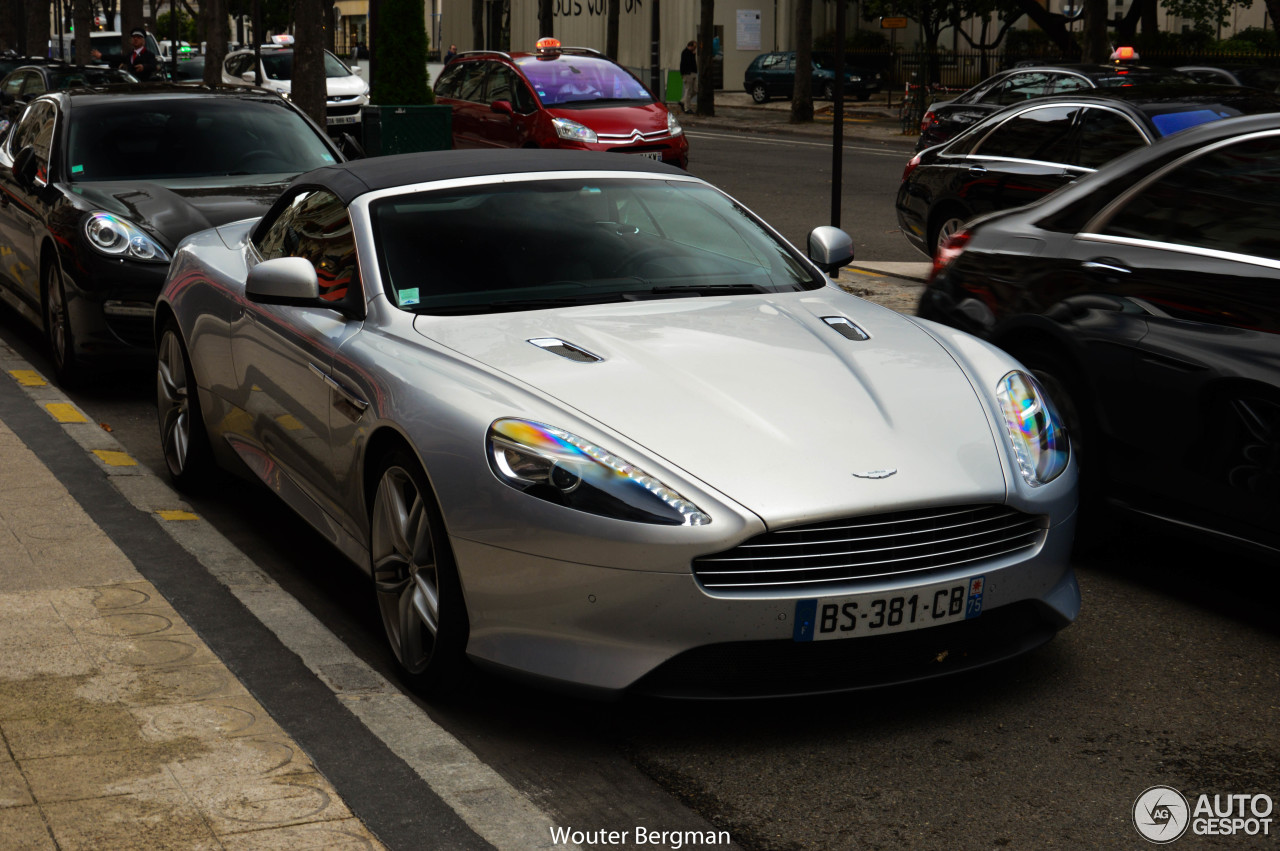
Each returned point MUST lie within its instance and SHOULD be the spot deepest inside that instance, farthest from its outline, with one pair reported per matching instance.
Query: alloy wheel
(405, 570)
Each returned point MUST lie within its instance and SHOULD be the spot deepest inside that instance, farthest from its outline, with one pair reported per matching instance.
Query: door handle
(977, 170)
(1106, 266)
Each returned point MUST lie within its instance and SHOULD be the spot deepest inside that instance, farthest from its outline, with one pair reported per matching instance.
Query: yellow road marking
(176, 514)
(115, 459)
(28, 377)
(64, 412)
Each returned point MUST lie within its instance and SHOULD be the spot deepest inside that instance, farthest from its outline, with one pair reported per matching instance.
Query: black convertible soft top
(352, 179)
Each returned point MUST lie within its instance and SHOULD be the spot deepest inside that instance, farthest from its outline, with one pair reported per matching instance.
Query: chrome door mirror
(284, 280)
(830, 248)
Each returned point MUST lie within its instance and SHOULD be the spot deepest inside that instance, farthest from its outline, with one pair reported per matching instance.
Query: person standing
(140, 62)
(689, 76)
(453, 51)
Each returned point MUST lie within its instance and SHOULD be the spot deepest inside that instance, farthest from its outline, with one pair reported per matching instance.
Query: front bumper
(608, 630)
(111, 306)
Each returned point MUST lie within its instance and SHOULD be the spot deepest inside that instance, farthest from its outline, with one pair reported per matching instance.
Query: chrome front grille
(635, 137)
(821, 557)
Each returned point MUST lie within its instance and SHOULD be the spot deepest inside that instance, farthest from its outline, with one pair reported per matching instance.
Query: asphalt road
(1170, 675)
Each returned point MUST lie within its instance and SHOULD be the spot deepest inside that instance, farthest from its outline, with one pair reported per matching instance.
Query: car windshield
(278, 65)
(88, 77)
(573, 242)
(154, 138)
(582, 81)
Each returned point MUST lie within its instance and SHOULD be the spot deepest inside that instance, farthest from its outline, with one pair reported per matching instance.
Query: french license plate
(825, 618)
(343, 119)
(653, 155)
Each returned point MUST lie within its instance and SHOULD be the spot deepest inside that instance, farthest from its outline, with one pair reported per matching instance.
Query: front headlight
(673, 126)
(1039, 438)
(573, 131)
(117, 237)
(559, 467)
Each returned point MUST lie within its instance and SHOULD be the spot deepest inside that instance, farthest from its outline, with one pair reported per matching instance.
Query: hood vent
(566, 350)
(846, 328)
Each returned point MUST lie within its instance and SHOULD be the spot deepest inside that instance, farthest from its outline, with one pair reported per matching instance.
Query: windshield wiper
(697, 290)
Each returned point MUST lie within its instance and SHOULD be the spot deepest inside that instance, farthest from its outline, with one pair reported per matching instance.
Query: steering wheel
(636, 260)
(242, 162)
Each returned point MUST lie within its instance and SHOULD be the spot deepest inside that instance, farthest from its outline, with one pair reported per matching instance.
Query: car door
(283, 355)
(774, 72)
(25, 209)
(1020, 160)
(1103, 134)
(463, 84)
(1196, 248)
(500, 128)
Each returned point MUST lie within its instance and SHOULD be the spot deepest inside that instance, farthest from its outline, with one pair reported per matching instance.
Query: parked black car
(945, 119)
(1018, 155)
(773, 75)
(98, 186)
(1146, 298)
(1254, 76)
(27, 82)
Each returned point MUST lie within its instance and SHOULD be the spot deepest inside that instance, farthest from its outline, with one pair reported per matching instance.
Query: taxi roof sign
(897, 23)
(1124, 54)
(548, 45)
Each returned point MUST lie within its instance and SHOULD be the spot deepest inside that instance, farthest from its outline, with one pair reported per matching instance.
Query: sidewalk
(872, 121)
(121, 728)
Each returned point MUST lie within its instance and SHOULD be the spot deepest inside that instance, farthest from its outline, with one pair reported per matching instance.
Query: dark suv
(559, 97)
(773, 75)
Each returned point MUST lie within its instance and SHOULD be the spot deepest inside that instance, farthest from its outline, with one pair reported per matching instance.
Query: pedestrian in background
(453, 51)
(140, 62)
(689, 76)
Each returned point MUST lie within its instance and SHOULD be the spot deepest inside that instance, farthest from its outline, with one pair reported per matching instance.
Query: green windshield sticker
(76, 169)
(408, 298)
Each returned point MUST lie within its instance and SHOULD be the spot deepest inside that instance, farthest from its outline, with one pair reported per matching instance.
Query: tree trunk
(477, 25)
(545, 10)
(611, 29)
(1054, 26)
(706, 103)
(215, 33)
(82, 11)
(802, 96)
(130, 17)
(10, 24)
(1095, 47)
(37, 29)
(308, 88)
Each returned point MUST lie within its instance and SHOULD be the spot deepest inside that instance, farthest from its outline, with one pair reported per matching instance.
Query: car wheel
(183, 437)
(57, 328)
(947, 224)
(829, 91)
(759, 93)
(418, 590)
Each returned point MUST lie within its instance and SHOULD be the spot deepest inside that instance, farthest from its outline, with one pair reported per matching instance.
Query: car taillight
(911, 166)
(928, 121)
(947, 253)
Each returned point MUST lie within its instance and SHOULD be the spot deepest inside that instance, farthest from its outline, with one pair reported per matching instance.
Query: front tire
(183, 437)
(416, 581)
(829, 92)
(57, 328)
(759, 93)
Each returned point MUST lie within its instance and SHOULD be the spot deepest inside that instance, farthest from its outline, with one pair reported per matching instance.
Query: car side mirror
(249, 77)
(830, 248)
(351, 147)
(502, 107)
(284, 280)
(24, 168)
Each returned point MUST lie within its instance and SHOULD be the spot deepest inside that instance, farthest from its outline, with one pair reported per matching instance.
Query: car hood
(348, 87)
(174, 212)
(760, 398)
(617, 119)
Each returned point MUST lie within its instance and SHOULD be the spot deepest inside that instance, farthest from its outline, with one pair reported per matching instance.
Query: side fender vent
(566, 350)
(846, 328)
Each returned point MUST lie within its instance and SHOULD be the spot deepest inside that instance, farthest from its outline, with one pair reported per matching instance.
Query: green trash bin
(406, 129)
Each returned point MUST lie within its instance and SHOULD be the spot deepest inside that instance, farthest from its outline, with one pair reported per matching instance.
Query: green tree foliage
(400, 54)
(1208, 16)
(186, 27)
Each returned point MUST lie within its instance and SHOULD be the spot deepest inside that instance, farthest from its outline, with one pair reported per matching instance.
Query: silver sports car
(584, 417)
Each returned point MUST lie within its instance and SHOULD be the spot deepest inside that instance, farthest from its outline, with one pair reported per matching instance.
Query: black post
(655, 55)
(257, 42)
(837, 130)
(173, 40)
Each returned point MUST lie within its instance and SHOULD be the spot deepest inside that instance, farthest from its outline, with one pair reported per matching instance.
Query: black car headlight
(1039, 439)
(117, 237)
(559, 467)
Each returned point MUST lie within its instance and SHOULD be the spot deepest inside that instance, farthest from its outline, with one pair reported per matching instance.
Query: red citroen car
(557, 97)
